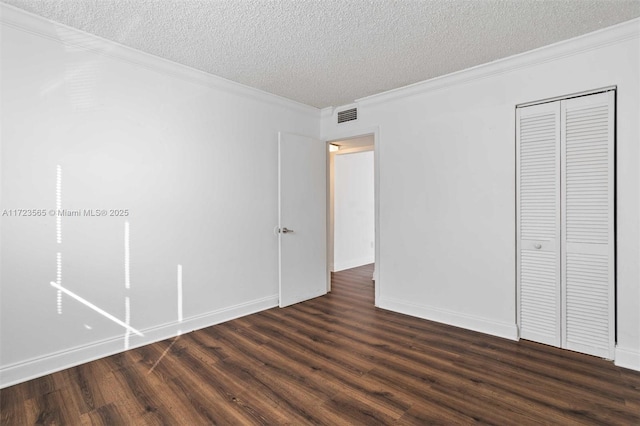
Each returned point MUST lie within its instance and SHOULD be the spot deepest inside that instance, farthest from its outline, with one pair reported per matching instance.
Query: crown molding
(604, 37)
(28, 22)
(327, 111)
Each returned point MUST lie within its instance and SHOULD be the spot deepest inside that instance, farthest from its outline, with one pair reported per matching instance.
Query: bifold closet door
(566, 223)
(588, 233)
(538, 222)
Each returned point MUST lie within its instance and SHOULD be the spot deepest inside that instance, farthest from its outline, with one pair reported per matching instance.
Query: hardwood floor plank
(346, 361)
(148, 404)
(212, 400)
(334, 378)
(53, 409)
(332, 360)
(429, 385)
(430, 413)
(106, 415)
(355, 411)
(84, 385)
(15, 409)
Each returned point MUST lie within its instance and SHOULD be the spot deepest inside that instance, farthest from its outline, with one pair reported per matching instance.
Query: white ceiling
(331, 52)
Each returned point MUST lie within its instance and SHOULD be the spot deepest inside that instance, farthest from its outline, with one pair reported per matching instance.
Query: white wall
(447, 182)
(192, 157)
(354, 231)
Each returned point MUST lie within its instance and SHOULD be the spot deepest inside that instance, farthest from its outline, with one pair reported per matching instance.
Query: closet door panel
(588, 246)
(538, 222)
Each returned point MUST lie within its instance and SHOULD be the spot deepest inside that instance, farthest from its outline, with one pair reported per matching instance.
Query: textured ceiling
(331, 52)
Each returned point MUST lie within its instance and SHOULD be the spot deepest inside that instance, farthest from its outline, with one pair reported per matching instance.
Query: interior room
(319, 212)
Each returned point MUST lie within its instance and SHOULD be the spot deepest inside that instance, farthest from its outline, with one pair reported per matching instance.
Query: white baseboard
(470, 322)
(36, 367)
(353, 263)
(628, 358)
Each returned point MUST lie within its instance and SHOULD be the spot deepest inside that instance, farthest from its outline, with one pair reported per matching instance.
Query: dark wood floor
(332, 360)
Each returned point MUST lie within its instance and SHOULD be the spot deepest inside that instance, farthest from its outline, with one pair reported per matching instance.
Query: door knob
(286, 231)
(538, 246)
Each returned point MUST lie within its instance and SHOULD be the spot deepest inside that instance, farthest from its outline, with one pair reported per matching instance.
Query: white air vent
(347, 115)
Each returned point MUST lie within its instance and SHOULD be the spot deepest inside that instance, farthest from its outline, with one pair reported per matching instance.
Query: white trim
(627, 358)
(590, 41)
(456, 319)
(353, 263)
(569, 96)
(355, 150)
(50, 363)
(326, 112)
(42, 27)
(354, 132)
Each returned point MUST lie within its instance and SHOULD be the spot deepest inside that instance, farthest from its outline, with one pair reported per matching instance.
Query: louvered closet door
(588, 246)
(538, 222)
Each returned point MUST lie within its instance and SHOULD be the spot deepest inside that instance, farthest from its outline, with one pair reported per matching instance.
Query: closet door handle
(538, 246)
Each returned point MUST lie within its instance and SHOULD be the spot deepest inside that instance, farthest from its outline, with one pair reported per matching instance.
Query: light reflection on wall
(59, 235)
(127, 320)
(81, 75)
(127, 283)
(127, 273)
(95, 308)
(58, 204)
(80, 79)
(179, 296)
(59, 280)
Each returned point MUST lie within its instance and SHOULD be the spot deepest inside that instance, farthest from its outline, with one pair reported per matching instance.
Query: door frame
(352, 133)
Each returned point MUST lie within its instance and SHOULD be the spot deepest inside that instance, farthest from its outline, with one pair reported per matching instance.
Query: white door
(588, 245)
(566, 223)
(302, 218)
(538, 222)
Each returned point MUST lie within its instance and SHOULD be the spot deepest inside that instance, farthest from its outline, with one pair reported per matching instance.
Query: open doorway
(351, 236)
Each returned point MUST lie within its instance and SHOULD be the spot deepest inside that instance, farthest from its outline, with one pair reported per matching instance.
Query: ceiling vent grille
(347, 115)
